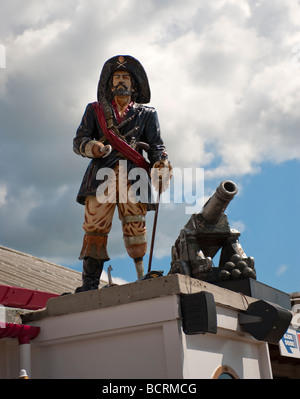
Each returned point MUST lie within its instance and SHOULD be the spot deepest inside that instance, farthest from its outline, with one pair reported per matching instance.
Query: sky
(225, 81)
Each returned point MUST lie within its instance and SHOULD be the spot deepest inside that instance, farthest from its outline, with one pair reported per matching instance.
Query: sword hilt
(109, 270)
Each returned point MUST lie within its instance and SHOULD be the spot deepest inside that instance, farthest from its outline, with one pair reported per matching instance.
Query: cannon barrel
(218, 202)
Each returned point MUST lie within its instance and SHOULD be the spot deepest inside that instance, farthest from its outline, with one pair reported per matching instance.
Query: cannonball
(235, 273)
(251, 262)
(235, 258)
(241, 264)
(224, 275)
(229, 266)
(248, 272)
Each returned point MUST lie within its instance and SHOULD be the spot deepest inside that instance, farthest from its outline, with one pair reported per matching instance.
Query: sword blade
(154, 231)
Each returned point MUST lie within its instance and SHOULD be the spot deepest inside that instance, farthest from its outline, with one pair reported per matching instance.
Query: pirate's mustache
(120, 85)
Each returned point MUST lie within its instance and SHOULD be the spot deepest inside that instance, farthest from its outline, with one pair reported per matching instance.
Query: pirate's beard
(121, 90)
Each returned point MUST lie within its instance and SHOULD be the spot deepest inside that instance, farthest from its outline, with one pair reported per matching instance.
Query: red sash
(117, 143)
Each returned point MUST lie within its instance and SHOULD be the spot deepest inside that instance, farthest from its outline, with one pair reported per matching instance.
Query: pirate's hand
(161, 174)
(100, 150)
(163, 164)
(105, 150)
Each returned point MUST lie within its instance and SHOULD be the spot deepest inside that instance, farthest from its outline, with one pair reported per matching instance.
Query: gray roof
(18, 269)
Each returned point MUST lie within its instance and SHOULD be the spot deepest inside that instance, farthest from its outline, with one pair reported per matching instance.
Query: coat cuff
(86, 150)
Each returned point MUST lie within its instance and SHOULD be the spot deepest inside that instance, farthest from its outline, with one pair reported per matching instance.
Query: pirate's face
(122, 84)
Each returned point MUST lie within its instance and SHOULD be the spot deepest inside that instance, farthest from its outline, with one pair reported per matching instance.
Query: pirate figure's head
(123, 75)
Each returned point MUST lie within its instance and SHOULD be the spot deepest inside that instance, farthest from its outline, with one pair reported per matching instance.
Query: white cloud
(234, 87)
(281, 270)
(115, 280)
(238, 225)
(222, 81)
(3, 195)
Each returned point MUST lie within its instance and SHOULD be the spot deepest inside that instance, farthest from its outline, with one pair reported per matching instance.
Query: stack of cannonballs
(238, 268)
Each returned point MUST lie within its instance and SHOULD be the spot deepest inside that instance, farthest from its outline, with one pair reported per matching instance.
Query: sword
(154, 230)
(164, 157)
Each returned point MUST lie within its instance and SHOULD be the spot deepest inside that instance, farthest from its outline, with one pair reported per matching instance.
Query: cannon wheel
(181, 267)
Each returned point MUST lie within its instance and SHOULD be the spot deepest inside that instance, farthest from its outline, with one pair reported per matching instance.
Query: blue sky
(267, 215)
(225, 81)
(269, 209)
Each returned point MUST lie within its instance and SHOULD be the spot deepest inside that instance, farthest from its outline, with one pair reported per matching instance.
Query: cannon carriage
(205, 234)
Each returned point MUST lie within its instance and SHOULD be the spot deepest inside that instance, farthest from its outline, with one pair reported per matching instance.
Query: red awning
(24, 298)
(23, 332)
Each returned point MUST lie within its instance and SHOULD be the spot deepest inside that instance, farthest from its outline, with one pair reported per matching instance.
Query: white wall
(143, 339)
(135, 331)
(136, 340)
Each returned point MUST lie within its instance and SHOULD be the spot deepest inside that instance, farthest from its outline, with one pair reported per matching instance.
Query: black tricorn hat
(136, 70)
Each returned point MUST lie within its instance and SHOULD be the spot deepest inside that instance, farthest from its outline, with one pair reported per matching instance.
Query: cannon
(204, 235)
(217, 204)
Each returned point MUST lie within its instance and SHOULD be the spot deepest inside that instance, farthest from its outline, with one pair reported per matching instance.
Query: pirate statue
(114, 132)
